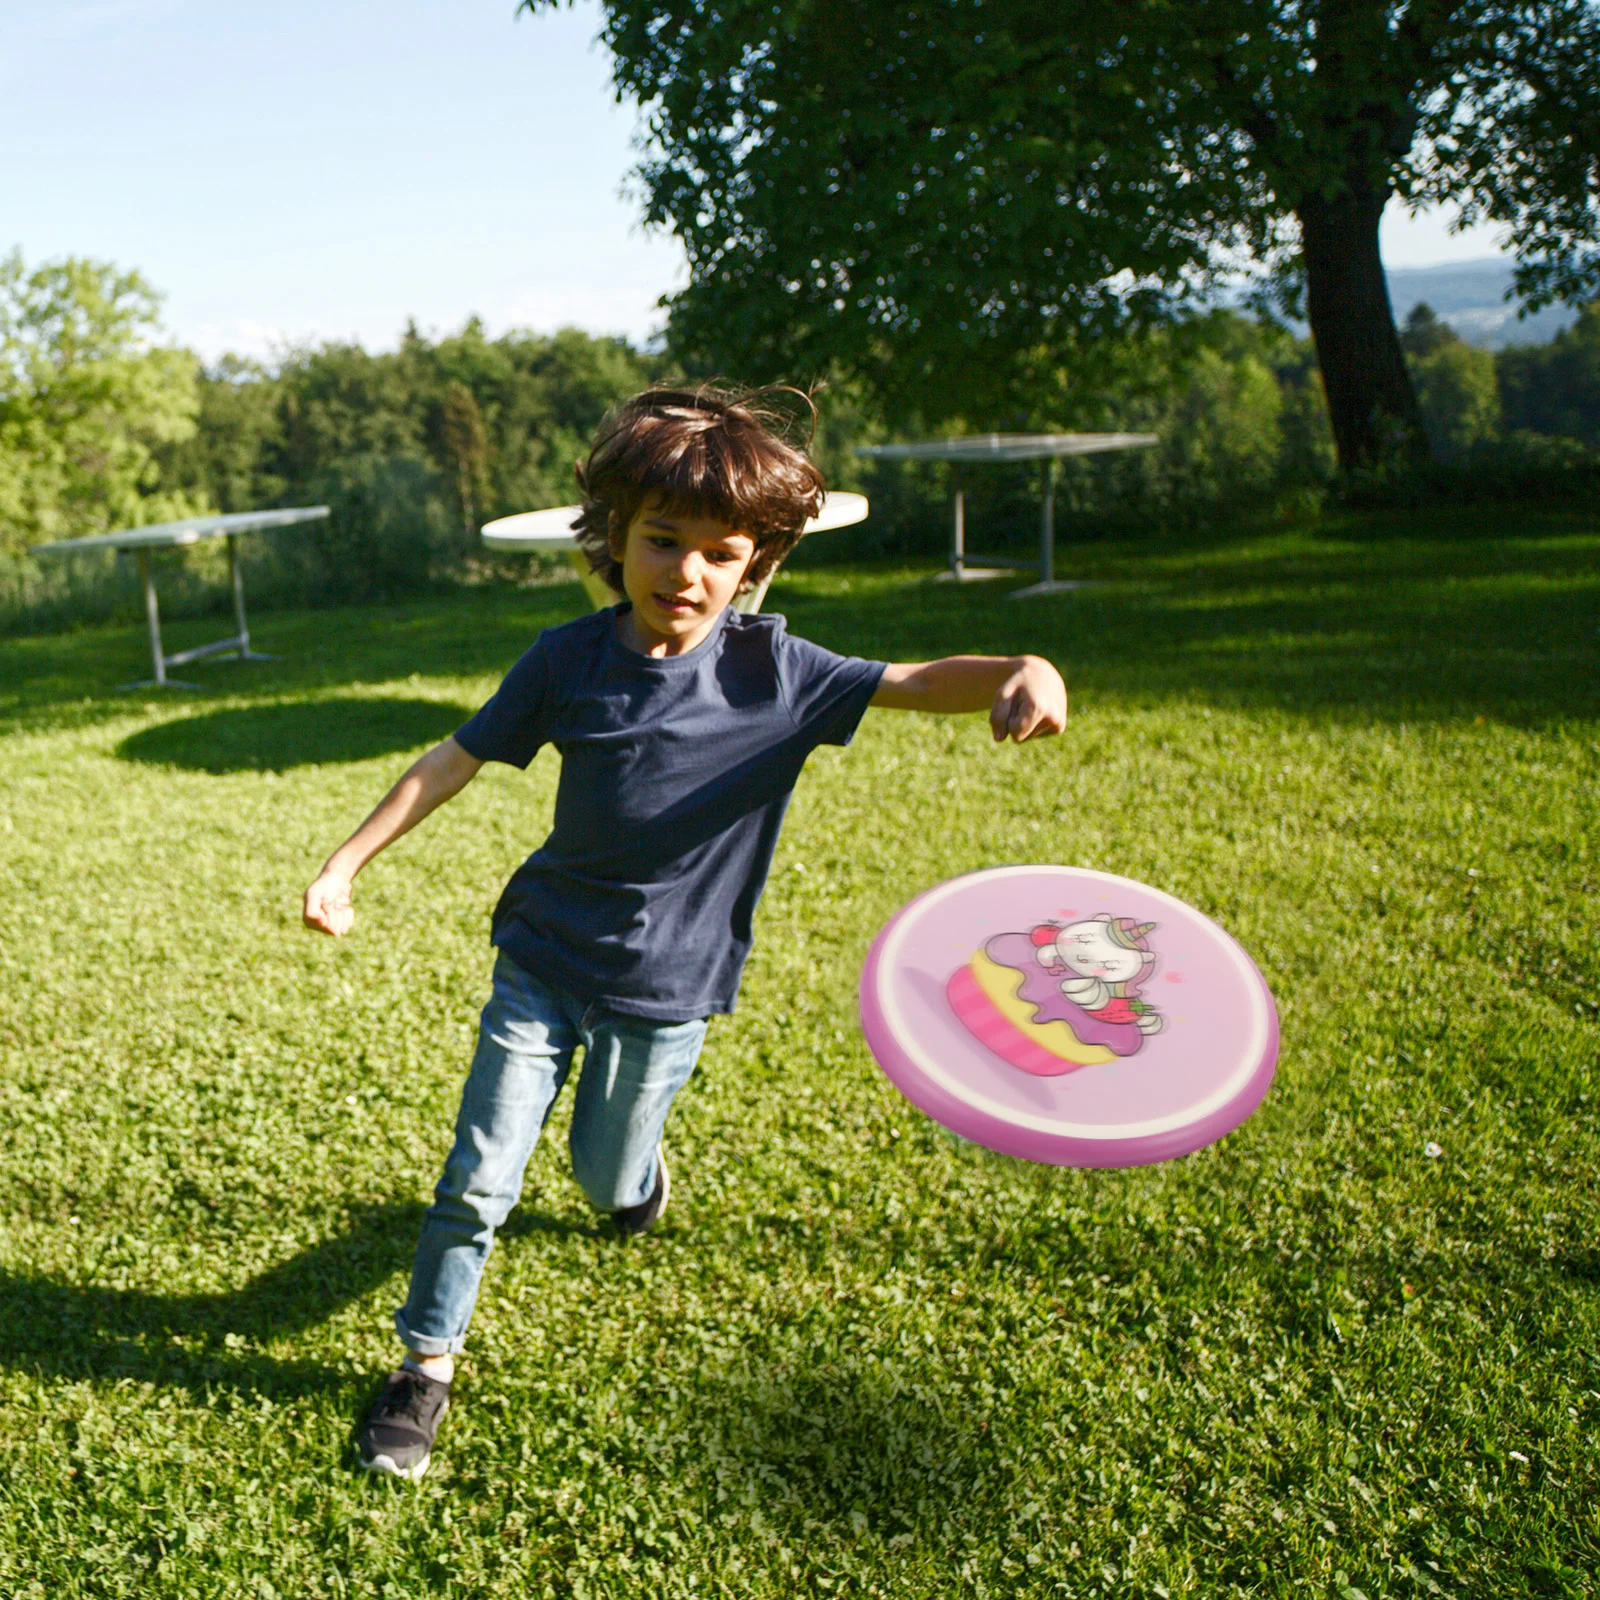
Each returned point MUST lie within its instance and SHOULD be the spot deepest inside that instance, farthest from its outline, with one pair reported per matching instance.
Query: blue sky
(303, 170)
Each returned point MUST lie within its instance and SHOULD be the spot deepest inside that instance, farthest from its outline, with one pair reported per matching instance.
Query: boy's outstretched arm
(1024, 695)
(443, 772)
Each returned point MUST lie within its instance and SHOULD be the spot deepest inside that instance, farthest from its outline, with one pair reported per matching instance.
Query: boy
(682, 726)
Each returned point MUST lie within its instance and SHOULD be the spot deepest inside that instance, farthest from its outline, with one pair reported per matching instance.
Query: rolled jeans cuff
(419, 1345)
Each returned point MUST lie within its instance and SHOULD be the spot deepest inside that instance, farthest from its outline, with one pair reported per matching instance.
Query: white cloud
(1430, 238)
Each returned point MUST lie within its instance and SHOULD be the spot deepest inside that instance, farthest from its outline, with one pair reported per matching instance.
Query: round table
(175, 535)
(551, 531)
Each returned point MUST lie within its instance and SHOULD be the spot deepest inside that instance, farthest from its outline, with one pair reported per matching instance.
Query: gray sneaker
(644, 1216)
(397, 1436)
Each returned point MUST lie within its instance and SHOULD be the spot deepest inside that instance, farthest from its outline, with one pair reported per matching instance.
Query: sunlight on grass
(1351, 1347)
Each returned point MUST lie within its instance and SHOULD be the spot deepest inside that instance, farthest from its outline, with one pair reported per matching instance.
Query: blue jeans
(632, 1067)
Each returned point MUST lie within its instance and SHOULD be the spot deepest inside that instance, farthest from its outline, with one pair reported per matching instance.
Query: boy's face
(681, 573)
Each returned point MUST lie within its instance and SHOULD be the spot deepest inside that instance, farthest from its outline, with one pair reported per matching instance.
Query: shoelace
(410, 1396)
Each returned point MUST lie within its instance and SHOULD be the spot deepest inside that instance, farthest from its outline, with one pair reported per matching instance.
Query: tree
(1425, 331)
(1555, 388)
(927, 193)
(1457, 394)
(86, 402)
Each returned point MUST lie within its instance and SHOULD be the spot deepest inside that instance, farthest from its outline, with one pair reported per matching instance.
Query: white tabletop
(191, 530)
(1008, 446)
(552, 529)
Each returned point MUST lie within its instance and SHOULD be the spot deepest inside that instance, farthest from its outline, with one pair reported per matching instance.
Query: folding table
(174, 535)
(1001, 447)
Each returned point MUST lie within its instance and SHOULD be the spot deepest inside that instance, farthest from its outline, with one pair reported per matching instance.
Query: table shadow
(277, 737)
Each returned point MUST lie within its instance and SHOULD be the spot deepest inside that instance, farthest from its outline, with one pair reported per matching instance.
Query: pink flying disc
(1069, 1016)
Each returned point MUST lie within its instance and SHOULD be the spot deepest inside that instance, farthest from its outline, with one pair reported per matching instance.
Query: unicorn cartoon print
(1104, 961)
(1060, 996)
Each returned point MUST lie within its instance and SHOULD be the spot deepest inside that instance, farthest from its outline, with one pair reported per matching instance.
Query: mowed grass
(859, 1358)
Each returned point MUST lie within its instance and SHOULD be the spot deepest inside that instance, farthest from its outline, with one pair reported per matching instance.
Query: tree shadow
(274, 738)
(210, 1342)
(1369, 632)
(1379, 618)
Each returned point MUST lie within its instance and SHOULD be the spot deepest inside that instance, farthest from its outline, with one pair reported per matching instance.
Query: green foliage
(1520, 425)
(1238, 409)
(1555, 388)
(413, 449)
(237, 423)
(86, 401)
(1236, 404)
(1425, 332)
(926, 197)
(858, 1359)
(1457, 386)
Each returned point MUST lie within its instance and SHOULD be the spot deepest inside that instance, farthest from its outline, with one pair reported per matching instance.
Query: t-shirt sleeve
(827, 695)
(512, 724)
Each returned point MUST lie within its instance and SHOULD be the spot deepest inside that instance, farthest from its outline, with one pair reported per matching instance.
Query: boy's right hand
(327, 906)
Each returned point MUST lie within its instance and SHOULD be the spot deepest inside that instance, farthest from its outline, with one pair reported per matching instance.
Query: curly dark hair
(704, 452)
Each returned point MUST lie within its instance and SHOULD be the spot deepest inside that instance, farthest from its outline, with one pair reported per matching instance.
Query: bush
(1522, 466)
(390, 534)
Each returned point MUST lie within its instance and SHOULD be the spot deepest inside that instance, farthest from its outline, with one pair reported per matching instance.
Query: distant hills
(1470, 296)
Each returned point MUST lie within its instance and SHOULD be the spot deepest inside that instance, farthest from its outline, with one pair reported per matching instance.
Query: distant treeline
(101, 426)
(414, 449)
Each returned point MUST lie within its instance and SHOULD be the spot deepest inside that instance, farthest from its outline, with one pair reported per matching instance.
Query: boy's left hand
(1032, 702)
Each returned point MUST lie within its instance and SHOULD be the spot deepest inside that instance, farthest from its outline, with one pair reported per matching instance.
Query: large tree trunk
(1371, 403)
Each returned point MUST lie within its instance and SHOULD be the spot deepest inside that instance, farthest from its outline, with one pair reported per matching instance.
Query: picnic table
(551, 532)
(1003, 447)
(175, 535)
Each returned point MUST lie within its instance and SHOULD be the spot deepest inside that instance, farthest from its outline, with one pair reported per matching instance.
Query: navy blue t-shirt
(675, 775)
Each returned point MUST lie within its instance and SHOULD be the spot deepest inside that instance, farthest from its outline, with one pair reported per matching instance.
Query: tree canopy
(930, 193)
(87, 400)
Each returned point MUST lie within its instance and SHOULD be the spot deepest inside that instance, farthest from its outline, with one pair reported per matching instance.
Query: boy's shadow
(206, 1343)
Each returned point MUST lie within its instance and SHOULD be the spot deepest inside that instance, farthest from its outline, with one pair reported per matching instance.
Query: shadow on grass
(58, 682)
(1375, 632)
(307, 733)
(1376, 618)
(203, 1342)
(828, 1442)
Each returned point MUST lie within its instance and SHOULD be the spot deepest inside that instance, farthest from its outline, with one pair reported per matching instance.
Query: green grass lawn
(859, 1358)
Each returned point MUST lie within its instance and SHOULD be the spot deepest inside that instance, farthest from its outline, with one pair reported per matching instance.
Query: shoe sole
(390, 1468)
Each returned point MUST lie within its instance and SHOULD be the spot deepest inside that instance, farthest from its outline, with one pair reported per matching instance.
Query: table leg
(1048, 582)
(237, 578)
(152, 614)
(159, 660)
(959, 570)
(1047, 526)
(600, 595)
(238, 596)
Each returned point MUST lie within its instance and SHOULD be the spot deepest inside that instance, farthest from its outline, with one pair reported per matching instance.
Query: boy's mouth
(675, 604)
